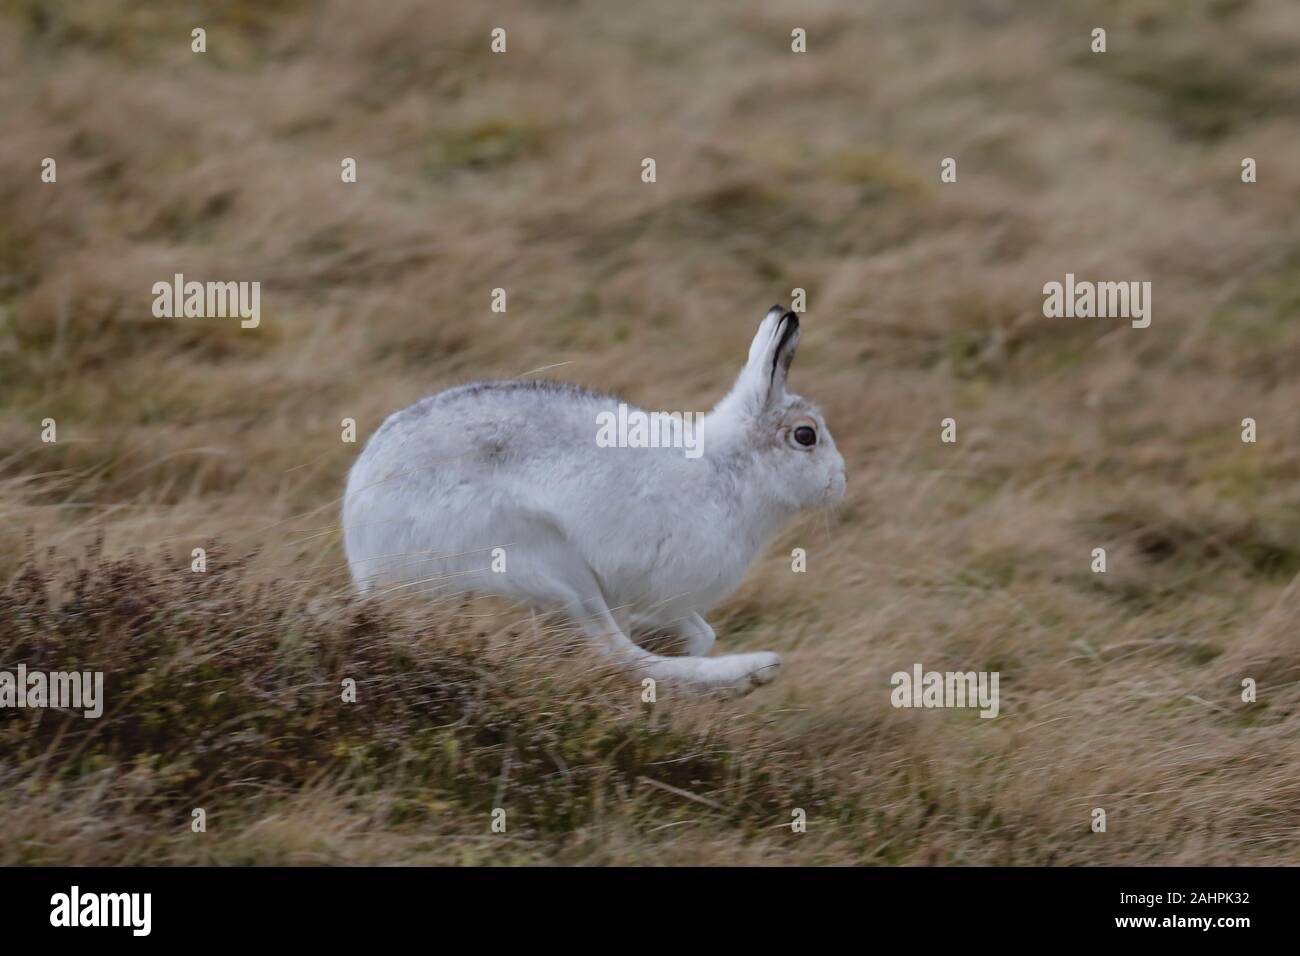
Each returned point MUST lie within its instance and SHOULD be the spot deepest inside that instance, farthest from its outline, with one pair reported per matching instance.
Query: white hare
(501, 488)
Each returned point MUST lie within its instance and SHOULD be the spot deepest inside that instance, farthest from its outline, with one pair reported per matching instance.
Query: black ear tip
(789, 328)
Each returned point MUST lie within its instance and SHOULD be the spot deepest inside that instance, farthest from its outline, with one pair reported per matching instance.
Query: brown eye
(805, 435)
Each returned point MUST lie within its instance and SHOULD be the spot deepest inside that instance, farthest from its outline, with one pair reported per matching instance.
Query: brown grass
(775, 170)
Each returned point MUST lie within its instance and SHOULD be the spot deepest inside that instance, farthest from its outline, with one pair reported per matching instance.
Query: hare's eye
(805, 435)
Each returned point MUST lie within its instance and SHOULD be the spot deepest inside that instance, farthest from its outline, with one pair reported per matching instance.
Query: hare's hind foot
(729, 675)
(574, 586)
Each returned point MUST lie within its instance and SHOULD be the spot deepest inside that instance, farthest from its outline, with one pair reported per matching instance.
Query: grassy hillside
(775, 170)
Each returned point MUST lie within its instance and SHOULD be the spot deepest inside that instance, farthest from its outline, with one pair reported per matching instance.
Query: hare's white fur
(620, 539)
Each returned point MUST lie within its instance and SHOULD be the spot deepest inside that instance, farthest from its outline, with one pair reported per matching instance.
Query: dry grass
(522, 171)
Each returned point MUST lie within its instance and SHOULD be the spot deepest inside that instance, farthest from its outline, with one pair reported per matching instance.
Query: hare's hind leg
(734, 673)
(546, 571)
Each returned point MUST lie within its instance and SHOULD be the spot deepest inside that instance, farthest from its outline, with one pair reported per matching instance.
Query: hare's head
(793, 448)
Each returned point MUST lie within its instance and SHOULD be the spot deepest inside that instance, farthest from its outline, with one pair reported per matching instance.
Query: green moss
(879, 173)
(1201, 94)
(485, 145)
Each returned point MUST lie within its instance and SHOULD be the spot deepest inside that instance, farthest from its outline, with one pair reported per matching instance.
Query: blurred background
(775, 171)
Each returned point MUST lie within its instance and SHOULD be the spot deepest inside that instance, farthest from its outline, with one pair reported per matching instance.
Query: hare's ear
(762, 380)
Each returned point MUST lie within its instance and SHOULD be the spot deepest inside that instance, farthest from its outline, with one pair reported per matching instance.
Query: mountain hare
(502, 488)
